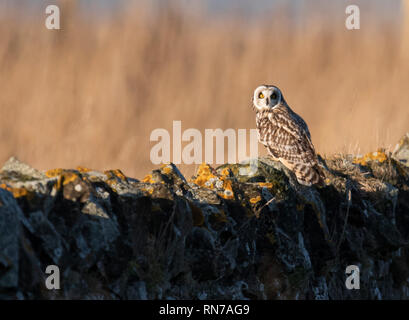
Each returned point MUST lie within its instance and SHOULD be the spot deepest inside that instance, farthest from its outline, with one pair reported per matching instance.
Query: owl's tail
(307, 175)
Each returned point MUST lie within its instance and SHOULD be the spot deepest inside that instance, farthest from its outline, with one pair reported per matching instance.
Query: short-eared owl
(286, 135)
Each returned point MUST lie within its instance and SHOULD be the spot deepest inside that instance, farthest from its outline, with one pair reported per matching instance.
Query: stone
(401, 151)
(238, 231)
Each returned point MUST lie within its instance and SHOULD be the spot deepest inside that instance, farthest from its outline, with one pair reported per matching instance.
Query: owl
(285, 135)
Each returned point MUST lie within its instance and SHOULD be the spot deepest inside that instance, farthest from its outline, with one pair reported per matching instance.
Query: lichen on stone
(238, 231)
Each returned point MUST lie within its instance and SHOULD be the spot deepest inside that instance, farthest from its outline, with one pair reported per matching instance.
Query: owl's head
(267, 97)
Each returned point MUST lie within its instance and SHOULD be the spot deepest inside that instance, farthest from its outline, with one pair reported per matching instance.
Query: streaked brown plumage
(285, 135)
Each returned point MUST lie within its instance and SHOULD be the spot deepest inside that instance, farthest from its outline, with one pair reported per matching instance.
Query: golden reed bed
(91, 93)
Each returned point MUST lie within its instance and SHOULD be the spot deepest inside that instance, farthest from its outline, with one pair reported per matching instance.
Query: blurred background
(91, 93)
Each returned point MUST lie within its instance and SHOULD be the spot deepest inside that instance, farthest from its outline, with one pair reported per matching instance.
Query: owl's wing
(287, 138)
(302, 124)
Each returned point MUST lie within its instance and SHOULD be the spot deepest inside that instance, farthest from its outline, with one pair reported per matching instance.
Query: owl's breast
(266, 128)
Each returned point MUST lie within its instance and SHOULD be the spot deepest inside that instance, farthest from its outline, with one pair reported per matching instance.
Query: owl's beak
(267, 101)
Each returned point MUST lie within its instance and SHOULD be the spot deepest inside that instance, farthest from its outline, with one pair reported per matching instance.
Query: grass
(91, 93)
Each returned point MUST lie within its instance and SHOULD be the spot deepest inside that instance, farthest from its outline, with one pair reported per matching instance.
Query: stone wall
(226, 233)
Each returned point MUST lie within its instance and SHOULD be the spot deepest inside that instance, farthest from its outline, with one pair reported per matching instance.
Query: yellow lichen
(54, 172)
(69, 177)
(148, 179)
(379, 156)
(225, 172)
(83, 169)
(204, 174)
(228, 190)
(117, 173)
(268, 185)
(66, 177)
(255, 200)
(17, 192)
(148, 190)
(167, 170)
(205, 178)
(226, 194)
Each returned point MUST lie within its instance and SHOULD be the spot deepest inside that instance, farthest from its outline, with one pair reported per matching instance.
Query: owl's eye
(260, 95)
(273, 96)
